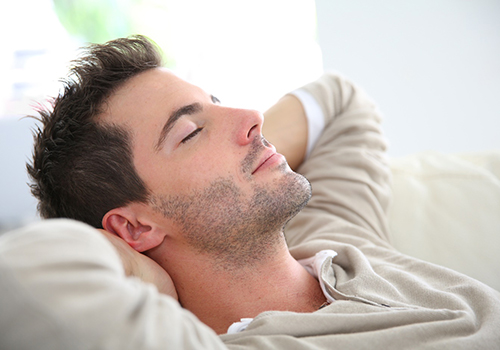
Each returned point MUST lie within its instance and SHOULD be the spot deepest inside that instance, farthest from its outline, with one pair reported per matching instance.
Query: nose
(248, 126)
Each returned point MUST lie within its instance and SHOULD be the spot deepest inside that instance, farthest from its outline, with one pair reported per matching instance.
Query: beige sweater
(63, 286)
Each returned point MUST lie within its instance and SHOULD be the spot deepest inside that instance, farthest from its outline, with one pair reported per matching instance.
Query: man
(190, 154)
(209, 200)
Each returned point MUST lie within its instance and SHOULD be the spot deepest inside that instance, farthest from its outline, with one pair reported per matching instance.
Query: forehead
(150, 94)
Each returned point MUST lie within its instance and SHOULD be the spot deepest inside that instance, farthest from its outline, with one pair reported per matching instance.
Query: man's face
(211, 173)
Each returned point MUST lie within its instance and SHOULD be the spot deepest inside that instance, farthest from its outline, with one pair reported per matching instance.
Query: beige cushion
(446, 210)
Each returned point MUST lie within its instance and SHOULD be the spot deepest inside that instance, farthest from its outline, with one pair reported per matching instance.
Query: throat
(220, 300)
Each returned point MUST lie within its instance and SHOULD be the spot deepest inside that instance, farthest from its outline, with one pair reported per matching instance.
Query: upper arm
(69, 284)
(347, 168)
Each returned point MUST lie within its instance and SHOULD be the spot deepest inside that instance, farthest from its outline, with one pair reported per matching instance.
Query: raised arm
(64, 287)
(285, 126)
(347, 168)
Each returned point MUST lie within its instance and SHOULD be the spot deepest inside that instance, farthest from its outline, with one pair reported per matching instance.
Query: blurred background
(432, 65)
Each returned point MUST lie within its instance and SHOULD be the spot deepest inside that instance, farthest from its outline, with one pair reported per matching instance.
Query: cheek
(194, 170)
(208, 165)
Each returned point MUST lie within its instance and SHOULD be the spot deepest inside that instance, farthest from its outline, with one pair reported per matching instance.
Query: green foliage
(96, 21)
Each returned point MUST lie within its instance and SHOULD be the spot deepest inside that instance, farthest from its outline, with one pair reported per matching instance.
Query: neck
(220, 297)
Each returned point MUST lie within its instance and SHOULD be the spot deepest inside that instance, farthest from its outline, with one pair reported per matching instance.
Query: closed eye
(215, 100)
(190, 136)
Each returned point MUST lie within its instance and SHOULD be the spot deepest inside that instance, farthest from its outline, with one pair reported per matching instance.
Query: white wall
(17, 206)
(433, 66)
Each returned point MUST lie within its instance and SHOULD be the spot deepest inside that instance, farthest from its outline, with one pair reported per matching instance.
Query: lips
(266, 156)
(260, 155)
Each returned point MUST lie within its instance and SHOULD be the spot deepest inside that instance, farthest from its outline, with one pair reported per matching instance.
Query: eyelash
(190, 136)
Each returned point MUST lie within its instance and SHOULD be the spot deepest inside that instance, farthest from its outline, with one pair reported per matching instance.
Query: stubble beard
(237, 232)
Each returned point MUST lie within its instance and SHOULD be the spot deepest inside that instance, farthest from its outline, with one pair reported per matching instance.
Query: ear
(140, 234)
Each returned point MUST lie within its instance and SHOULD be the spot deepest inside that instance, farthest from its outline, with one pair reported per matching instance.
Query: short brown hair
(81, 169)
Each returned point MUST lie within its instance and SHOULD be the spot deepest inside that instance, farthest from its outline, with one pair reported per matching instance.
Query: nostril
(251, 129)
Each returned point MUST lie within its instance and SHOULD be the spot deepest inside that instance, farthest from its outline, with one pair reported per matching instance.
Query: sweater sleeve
(348, 168)
(63, 287)
(315, 118)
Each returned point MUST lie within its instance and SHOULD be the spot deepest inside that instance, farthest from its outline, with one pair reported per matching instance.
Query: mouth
(269, 157)
(261, 155)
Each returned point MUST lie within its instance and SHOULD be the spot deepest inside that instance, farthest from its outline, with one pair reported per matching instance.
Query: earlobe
(138, 234)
